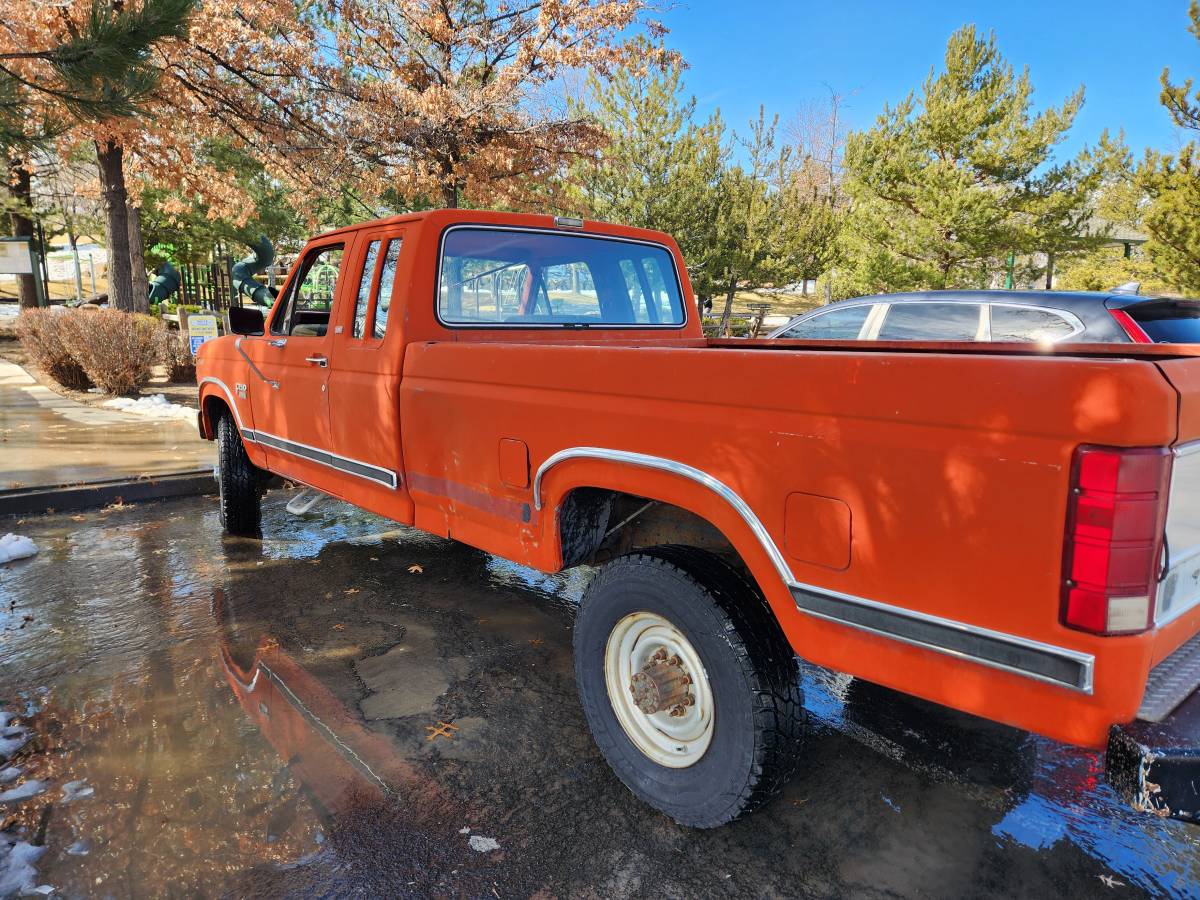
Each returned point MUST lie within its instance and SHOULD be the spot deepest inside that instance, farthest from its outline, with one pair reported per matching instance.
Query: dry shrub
(42, 335)
(176, 354)
(117, 349)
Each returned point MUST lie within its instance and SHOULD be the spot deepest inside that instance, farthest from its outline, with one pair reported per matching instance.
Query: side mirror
(246, 321)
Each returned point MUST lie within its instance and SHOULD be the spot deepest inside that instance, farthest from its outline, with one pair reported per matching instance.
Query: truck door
(364, 385)
(290, 370)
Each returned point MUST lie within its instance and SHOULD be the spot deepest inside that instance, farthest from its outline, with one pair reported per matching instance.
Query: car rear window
(1172, 322)
(930, 322)
(517, 278)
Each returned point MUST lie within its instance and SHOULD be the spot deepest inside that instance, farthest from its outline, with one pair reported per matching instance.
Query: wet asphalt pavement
(349, 708)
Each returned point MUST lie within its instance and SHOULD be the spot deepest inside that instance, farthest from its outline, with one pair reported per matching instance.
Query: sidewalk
(48, 440)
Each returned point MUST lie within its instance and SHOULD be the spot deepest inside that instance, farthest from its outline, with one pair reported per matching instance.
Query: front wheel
(689, 686)
(239, 480)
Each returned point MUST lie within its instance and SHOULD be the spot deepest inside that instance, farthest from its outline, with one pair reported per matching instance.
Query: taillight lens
(1131, 328)
(1115, 520)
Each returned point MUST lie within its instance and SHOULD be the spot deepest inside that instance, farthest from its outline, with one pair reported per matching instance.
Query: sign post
(200, 328)
(17, 257)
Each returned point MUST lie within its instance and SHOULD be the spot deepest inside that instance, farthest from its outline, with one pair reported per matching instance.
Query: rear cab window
(507, 277)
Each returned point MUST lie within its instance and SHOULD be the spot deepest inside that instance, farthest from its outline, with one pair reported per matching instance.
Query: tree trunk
(1050, 270)
(137, 261)
(21, 223)
(110, 157)
(450, 195)
(727, 312)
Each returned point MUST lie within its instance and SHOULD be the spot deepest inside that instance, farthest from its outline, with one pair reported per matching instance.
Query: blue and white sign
(201, 329)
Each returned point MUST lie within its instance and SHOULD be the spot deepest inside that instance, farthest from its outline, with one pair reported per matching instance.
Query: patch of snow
(482, 844)
(9, 746)
(9, 774)
(76, 790)
(155, 406)
(15, 546)
(80, 848)
(17, 874)
(30, 788)
(466, 830)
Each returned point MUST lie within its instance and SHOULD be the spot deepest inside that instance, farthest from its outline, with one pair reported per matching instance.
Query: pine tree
(1172, 182)
(100, 70)
(657, 167)
(946, 185)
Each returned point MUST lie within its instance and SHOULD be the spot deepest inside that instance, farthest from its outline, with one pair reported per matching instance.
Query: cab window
(364, 289)
(304, 310)
(387, 279)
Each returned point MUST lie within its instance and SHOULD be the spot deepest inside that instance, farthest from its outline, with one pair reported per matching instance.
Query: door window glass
(1016, 323)
(835, 325)
(386, 282)
(364, 289)
(930, 322)
(304, 311)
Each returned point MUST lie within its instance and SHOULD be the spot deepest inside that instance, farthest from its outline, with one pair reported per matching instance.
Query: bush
(176, 354)
(42, 335)
(117, 349)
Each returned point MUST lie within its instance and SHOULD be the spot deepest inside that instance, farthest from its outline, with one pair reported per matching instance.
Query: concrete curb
(23, 501)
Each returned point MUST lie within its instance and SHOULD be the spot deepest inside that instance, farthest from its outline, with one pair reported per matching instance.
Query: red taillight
(1115, 519)
(1131, 328)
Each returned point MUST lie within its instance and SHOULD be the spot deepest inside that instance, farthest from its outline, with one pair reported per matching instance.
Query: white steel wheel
(659, 690)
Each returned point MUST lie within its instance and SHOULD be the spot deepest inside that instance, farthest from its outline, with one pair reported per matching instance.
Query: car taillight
(1115, 519)
(1131, 328)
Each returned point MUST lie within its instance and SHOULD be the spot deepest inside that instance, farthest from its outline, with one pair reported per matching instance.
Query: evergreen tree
(946, 185)
(657, 168)
(94, 72)
(1172, 182)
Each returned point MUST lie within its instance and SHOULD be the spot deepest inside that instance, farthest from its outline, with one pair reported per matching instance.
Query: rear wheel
(689, 686)
(240, 481)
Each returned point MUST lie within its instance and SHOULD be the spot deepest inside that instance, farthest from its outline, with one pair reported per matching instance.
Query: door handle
(278, 342)
(317, 360)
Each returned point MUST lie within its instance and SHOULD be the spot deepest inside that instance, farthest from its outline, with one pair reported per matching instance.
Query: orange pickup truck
(1012, 531)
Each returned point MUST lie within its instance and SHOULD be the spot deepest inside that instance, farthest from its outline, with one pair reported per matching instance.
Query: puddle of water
(183, 749)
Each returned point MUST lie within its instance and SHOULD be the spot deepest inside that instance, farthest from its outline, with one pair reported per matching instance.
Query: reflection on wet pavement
(182, 713)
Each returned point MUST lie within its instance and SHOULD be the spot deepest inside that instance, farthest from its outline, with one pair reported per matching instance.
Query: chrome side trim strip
(676, 468)
(345, 464)
(1033, 659)
(995, 649)
(1186, 449)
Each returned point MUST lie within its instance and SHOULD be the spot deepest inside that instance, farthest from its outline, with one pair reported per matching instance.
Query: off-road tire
(239, 480)
(758, 704)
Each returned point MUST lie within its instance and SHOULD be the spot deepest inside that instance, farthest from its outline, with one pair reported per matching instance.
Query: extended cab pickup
(1009, 530)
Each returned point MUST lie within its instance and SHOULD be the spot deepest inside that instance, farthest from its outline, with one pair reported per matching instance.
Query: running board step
(304, 501)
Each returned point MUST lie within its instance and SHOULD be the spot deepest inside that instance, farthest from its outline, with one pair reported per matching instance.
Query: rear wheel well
(596, 525)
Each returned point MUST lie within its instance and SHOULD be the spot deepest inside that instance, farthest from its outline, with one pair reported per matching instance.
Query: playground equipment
(243, 271)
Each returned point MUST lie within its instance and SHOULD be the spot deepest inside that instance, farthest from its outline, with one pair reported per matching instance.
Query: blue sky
(778, 53)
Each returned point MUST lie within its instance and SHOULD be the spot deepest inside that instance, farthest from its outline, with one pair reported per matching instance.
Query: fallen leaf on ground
(1109, 881)
(350, 591)
(415, 569)
(339, 627)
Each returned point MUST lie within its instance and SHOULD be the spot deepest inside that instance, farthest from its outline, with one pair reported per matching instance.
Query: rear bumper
(1155, 766)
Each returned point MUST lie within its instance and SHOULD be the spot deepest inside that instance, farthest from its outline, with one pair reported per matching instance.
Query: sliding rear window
(508, 277)
(1168, 322)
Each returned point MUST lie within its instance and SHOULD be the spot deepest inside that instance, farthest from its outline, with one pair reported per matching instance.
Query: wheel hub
(659, 689)
(663, 685)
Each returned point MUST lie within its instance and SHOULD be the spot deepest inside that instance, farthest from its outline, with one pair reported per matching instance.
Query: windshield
(1170, 322)
(493, 276)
